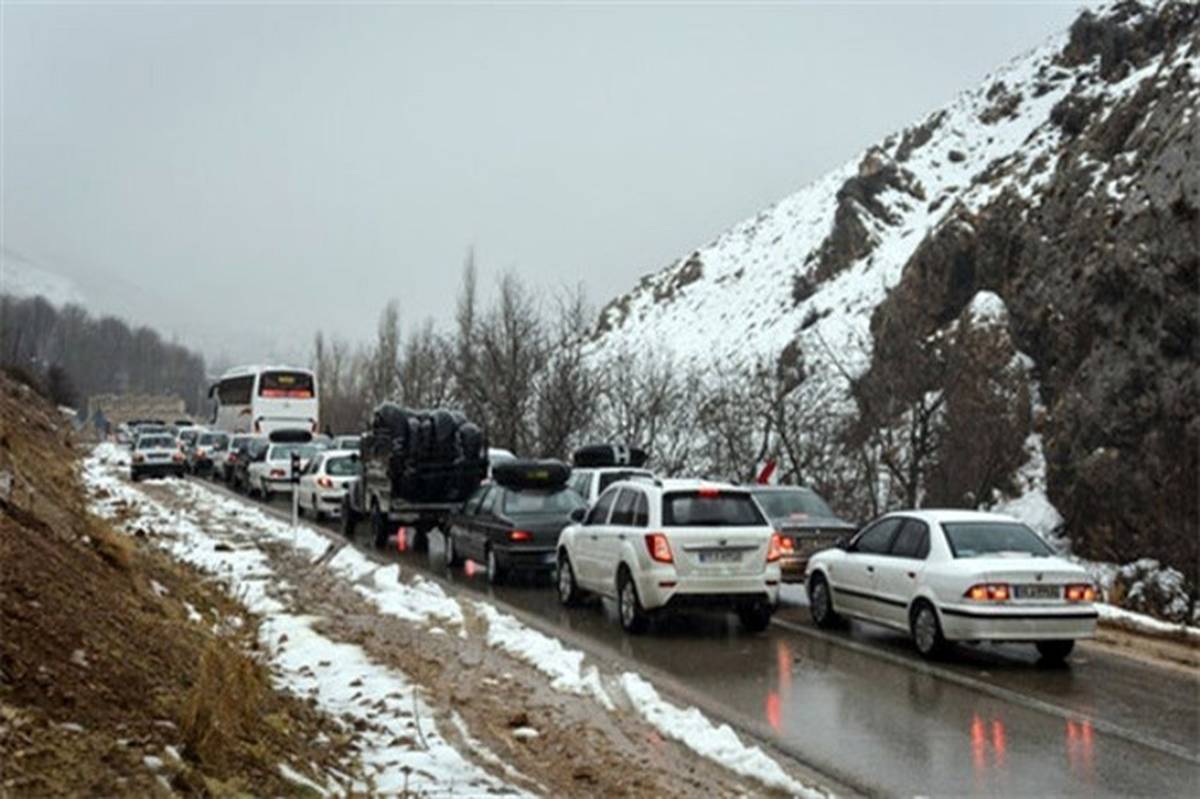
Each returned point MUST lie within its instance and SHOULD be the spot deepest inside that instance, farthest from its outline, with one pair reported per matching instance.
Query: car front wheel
(927, 631)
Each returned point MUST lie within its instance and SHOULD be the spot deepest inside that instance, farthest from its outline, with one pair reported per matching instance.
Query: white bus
(262, 399)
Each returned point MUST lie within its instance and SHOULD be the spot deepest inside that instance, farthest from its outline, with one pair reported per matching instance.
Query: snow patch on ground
(563, 666)
(718, 743)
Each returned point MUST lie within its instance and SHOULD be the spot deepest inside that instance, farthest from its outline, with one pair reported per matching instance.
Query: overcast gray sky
(240, 175)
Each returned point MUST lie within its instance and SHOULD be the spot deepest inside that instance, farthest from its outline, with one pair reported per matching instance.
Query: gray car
(805, 522)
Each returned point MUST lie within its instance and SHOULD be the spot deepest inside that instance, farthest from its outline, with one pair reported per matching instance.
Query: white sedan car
(678, 544)
(323, 482)
(950, 575)
(273, 474)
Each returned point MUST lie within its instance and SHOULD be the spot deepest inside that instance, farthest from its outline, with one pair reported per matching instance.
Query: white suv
(673, 544)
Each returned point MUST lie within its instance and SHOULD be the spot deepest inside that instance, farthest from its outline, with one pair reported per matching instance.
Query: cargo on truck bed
(417, 467)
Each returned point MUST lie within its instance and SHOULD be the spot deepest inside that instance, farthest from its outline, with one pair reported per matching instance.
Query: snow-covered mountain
(1062, 197)
(22, 278)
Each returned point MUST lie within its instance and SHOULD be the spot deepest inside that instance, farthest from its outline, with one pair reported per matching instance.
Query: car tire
(379, 528)
(135, 477)
(926, 630)
(629, 605)
(820, 604)
(568, 590)
(496, 574)
(755, 618)
(1055, 652)
(452, 558)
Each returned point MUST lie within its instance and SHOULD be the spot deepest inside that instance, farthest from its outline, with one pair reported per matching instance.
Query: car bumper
(532, 558)
(1015, 624)
(792, 569)
(156, 469)
(330, 502)
(276, 485)
(666, 589)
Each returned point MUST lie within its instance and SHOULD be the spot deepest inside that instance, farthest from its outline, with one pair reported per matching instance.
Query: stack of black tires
(432, 456)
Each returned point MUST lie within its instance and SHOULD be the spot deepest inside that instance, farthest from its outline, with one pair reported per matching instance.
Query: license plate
(548, 558)
(1037, 592)
(720, 556)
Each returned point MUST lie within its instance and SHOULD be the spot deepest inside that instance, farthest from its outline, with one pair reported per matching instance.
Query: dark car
(249, 451)
(806, 524)
(512, 523)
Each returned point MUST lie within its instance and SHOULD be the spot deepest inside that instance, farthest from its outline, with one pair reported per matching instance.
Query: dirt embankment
(121, 672)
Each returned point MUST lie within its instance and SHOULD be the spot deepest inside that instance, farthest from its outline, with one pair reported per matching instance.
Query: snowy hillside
(764, 282)
(22, 278)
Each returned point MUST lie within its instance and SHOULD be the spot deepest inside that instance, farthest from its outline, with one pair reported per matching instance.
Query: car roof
(605, 469)
(951, 515)
(338, 453)
(757, 488)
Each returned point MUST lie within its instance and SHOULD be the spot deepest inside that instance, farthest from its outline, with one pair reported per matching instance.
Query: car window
(559, 501)
(706, 508)
(471, 506)
(623, 509)
(344, 466)
(579, 483)
(489, 504)
(608, 478)
(793, 503)
(973, 539)
(877, 538)
(155, 442)
(599, 513)
(641, 511)
(912, 541)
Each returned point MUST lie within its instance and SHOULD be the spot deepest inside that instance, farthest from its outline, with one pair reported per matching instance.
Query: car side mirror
(578, 515)
(844, 545)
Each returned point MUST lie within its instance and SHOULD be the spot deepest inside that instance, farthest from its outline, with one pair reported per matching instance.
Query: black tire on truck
(379, 526)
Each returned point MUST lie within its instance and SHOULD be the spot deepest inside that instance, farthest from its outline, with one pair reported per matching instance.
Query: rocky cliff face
(1062, 197)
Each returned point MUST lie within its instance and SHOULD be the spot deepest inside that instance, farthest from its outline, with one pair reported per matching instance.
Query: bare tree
(511, 348)
(567, 386)
(385, 361)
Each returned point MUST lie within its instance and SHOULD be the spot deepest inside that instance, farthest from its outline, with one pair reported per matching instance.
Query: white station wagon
(952, 575)
(674, 544)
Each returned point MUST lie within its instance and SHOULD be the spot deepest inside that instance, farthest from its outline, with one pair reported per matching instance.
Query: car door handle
(913, 575)
(595, 537)
(871, 569)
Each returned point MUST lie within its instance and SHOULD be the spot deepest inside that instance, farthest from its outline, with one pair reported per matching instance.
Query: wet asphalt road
(863, 708)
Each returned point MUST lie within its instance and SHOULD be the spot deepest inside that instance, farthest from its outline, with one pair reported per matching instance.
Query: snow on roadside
(384, 706)
(298, 651)
(563, 666)
(1140, 622)
(719, 743)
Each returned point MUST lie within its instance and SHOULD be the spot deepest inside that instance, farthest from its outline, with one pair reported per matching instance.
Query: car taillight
(659, 547)
(201, 453)
(324, 482)
(1081, 592)
(138, 458)
(779, 547)
(709, 492)
(278, 473)
(520, 535)
(989, 592)
(177, 457)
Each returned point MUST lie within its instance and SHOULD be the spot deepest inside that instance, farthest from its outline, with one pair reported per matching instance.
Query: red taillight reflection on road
(1079, 747)
(989, 745)
(469, 568)
(782, 693)
(402, 539)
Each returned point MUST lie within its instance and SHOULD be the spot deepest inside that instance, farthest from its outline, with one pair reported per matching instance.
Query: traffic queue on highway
(606, 526)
